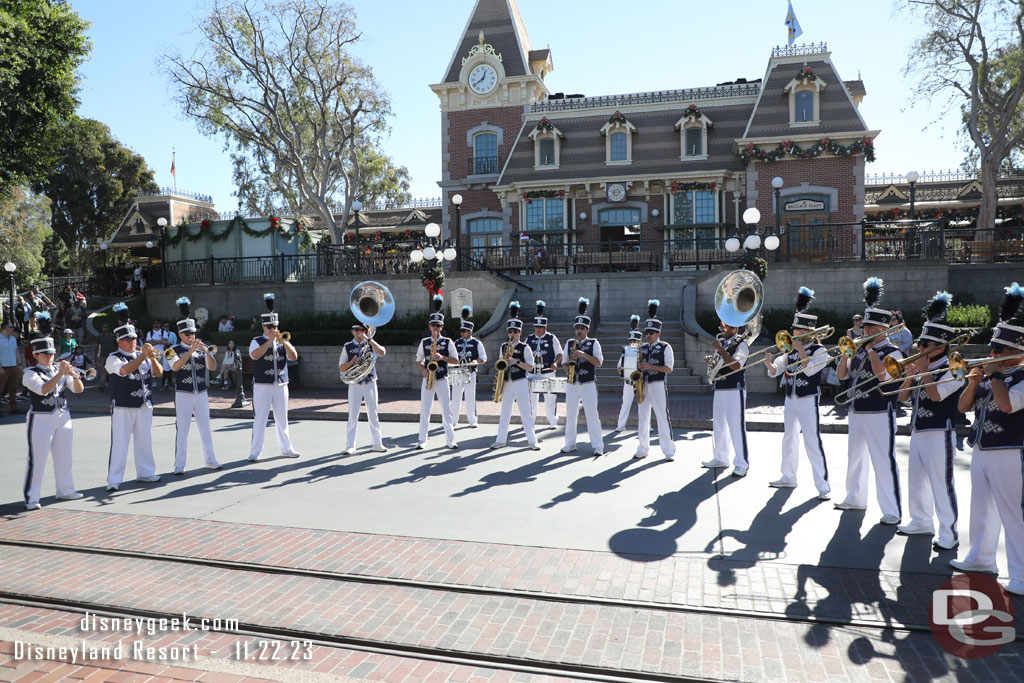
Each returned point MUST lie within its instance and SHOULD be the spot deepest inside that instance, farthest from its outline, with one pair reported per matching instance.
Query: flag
(172, 165)
(793, 25)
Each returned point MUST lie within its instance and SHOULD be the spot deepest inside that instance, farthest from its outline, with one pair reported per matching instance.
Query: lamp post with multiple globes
(10, 267)
(457, 203)
(752, 242)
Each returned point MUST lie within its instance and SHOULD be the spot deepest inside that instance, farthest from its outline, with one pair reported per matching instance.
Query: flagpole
(173, 173)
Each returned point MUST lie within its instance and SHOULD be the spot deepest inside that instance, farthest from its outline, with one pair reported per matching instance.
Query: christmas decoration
(693, 112)
(543, 194)
(432, 277)
(545, 126)
(863, 146)
(206, 230)
(617, 118)
(683, 187)
(756, 265)
(805, 74)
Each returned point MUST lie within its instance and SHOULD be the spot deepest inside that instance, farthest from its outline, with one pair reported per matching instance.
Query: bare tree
(973, 52)
(278, 81)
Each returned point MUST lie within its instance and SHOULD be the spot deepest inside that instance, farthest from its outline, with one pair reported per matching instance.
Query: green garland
(863, 146)
(432, 278)
(544, 194)
(206, 230)
(617, 117)
(806, 74)
(693, 112)
(756, 265)
(545, 126)
(683, 187)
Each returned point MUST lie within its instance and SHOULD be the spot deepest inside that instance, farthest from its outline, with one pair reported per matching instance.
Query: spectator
(10, 373)
(23, 317)
(142, 285)
(136, 276)
(105, 345)
(65, 297)
(225, 325)
(76, 319)
(67, 345)
(232, 360)
(902, 339)
(128, 291)
(40, 301)
(80, 361)
(857, 331)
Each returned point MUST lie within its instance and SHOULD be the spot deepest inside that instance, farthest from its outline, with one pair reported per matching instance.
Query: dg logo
(972, 616)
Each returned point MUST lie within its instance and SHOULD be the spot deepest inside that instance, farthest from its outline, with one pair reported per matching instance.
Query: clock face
(483, 78)
(616, 192)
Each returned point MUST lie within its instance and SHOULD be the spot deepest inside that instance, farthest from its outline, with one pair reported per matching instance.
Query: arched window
(694, 142)
(485, 154)
(619, 152)
(803, 103)
(547, 152)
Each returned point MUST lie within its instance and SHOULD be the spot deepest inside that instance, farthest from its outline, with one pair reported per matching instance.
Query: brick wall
(834, 172)
(473, 201)
(509, 119)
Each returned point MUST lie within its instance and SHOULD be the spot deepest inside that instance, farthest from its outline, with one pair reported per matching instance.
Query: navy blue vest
(653, 354)
(585, 370)
(867, 398)
(518, 354)
(53, 402)
(799, 385)
(468, 349)
(353, 348)
(444, 348)
(272, 366)
(132, 390)
(191, 377)
(994, 428)
(735, 380)
(543, 350)
(932, 415)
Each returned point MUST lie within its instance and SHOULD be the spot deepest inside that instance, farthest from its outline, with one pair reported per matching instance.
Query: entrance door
(807, 237)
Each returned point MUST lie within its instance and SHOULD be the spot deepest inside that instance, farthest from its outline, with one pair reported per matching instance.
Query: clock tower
(493, 74)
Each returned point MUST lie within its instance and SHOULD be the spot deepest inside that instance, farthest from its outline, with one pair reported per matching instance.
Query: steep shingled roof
(503, 28)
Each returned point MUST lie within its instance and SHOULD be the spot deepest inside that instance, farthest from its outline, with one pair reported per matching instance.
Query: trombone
(959, 368)
(895, 368)
(784, 341)
(848, 347)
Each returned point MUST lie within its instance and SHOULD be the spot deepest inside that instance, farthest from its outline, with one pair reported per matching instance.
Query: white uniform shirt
(114, 364)
(815, 364)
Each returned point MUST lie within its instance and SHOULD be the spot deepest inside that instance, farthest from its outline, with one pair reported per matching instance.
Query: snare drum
(458, 377)
(553, 385)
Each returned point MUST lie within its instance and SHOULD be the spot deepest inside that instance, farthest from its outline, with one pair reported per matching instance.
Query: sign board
(201, 316)
(805, 205)
(459, 298)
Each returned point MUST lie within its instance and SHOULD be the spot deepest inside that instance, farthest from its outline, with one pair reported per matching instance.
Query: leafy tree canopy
(24, 226)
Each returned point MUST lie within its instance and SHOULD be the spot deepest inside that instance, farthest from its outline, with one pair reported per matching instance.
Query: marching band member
(628, 395)
(516, 388)
(548, 354)
(996, 393)
(581, 363)
(872, 430)
(131, 385)
(802, 384)
(190, 391)
(270, 355)
(656, 362)
(730, 429)
(160, 341)
(932, 438)
(471, 354)
(436, 349)
(362, 391)
(49, 422)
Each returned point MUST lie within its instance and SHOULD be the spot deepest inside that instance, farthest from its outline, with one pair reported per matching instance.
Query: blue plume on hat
(584, 302)
(513, 309)
(1012, 300)
(938, 307)
(122, 312)
(872, 291)
(268, 299)
(438, 303)
(652, 307)
(803, 299)
(540, 307)
(184, 305)
(44, 322)
(466, 312)
(634, 321)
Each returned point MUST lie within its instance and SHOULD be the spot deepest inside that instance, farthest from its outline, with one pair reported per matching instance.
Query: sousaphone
(373, 305)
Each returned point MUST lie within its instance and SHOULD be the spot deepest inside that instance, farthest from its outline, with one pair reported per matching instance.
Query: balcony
(483, 165)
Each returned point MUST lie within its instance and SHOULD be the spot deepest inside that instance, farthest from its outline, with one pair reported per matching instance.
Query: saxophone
(637, 379)
(570, 373)
(501, 368)
(431, 365)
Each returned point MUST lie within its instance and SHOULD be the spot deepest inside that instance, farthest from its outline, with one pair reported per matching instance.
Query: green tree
(279, 83)
(973, 54)
(24, 227)
(42, 43)
(55, 256)
(92, 186)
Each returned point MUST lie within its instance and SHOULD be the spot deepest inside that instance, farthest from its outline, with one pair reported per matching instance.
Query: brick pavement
(687, 411)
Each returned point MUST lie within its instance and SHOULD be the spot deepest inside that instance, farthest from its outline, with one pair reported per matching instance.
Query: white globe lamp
(732, 244)
(771, 242)
(432, 230)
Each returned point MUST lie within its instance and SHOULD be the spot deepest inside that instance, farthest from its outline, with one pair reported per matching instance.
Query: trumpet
(89, 375)
(848, 347)
(286, 336)
(211, 349)
(169, 354)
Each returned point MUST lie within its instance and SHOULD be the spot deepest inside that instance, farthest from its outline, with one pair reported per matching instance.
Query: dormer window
(804, 93)
(546, 145)
(693, 134)
(618, 134)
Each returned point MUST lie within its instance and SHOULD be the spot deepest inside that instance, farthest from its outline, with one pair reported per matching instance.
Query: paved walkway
(687, 411)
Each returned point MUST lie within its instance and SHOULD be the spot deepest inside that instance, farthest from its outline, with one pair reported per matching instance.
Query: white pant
(136, 425)
(930, 483)
(357, 394)
(469, 390)
(730, 428)
(441, 392)
(550, 405)
(518, 392)
(187, 404)
(587, 395)
(265, 396)
(656, 398)
(873, 435)
(801, 415)
(628, 396)
(49, 435)
(996, 502)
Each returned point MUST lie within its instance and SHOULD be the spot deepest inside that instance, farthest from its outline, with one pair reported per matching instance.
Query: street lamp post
(10, 267)
(162, 224)
(432, 248)
(752, 241)
(357, 206)
(912, 178)
(457, 202)
(777, 183)
(106, 274)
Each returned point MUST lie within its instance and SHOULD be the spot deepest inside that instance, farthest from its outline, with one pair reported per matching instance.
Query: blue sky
(596, 49)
